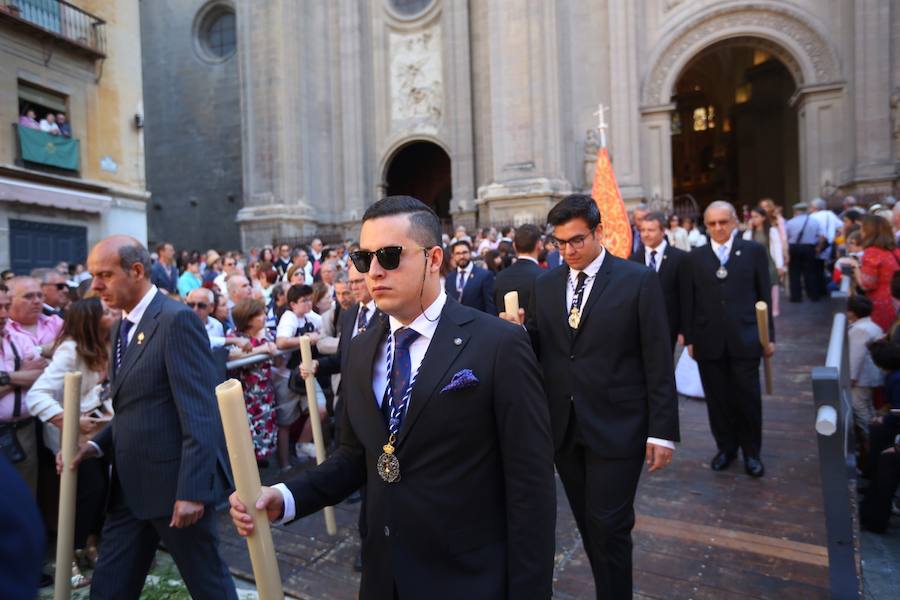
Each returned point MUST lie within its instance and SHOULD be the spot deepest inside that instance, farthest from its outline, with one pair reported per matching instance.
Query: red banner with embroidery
(616, 226)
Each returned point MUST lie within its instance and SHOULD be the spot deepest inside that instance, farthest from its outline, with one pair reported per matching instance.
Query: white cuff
(290, 509)
(95, 445)
(659, 442)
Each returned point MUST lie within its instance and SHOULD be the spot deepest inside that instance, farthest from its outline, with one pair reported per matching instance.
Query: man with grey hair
(202, 302)
(830, 226)
(727, 277)
(804, 234)
(55, 290)
(637, 215)
(165, 439)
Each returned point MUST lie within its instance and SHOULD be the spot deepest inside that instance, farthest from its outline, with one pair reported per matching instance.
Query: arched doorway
(421, 169)
(734, 130)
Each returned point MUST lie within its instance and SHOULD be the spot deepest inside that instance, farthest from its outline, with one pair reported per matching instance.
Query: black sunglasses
(388, 257)
(200, 305)
(59, 286)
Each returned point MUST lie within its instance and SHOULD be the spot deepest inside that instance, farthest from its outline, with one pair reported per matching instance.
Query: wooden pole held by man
(315, 423)
(246, 478)
(762, 322)
(68, 487)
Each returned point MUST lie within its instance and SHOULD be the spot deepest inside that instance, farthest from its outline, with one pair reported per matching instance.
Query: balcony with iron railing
(59, 21)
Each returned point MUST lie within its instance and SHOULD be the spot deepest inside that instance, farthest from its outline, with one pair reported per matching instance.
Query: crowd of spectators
(54, 123)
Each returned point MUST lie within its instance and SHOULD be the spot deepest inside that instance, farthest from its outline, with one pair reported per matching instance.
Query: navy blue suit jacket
(165, 440)
(22, 538)
(478, 292)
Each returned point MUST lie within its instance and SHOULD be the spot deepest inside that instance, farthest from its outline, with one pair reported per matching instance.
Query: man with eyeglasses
(55, 290)
(598, 325)
(200, 300)
(446, 426)
(727, 278)
(467, 284)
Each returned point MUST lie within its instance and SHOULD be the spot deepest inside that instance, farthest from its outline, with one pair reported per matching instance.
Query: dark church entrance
(734, 133)
(422, 169)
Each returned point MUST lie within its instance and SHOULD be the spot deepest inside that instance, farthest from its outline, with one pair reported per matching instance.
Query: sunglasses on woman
(388, 257)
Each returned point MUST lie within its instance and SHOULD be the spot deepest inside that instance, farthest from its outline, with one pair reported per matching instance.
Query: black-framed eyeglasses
(576, 242)
(200, 305)
(388, 257)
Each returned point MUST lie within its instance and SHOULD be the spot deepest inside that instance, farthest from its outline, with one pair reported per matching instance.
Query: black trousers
(734, 403)
(601, 494)
(90, 499)
(129, 544)
(875, 509)
(802, 270)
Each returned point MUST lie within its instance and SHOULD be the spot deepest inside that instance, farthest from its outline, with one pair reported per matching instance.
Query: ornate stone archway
(793, 37)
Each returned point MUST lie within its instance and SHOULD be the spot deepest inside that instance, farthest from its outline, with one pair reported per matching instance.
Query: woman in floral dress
(259, 396)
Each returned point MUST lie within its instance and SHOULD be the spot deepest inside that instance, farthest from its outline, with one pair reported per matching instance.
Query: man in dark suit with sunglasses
(446, 425)
(598, 325)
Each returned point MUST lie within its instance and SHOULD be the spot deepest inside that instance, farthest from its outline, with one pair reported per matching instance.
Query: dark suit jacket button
(571, 357)
(387, 531)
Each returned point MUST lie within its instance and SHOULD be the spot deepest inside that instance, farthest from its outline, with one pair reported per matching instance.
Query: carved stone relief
(781, 23)
(417, 95)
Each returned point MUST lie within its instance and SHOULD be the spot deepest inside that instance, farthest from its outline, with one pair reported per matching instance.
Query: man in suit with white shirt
(669, 264)
(728, 277)
(519, 276)
(468, 284)
(598, 326)
(165, 440)
(446, 425)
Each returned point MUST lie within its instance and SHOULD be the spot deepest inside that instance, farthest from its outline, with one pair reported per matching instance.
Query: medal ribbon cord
(397, 410)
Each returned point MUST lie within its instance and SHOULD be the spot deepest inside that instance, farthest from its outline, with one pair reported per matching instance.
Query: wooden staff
(246, 478)
(68, 486)
(316, 423)
(762, 323)
(511, 303)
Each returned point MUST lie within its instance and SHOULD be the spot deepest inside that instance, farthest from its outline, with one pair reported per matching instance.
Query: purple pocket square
(462, 380)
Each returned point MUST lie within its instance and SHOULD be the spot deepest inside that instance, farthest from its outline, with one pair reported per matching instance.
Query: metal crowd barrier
(837, 459)
(246, 361)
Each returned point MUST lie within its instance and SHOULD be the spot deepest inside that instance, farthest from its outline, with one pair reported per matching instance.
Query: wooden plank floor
(699, 534)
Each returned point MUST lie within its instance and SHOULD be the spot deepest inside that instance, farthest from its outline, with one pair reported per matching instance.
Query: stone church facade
(342, 102)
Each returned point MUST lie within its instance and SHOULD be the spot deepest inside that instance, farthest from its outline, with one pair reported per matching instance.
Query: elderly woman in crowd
(880, 260)
(82, 345)
(259, 394)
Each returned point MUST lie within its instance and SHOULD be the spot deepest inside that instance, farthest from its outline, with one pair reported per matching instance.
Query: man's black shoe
(754, 467)
(721, 461)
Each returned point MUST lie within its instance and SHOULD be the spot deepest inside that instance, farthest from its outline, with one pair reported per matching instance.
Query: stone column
(870, 92)
(656, 153)
(458, 116)
(822, 134)
(624, 134)
(353, 128)
(524, 119)
(273, 208)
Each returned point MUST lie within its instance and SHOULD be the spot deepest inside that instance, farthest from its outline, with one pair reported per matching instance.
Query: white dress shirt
(425, 324)
(660, 252)
(468, 274)
(592, 270)
(215, 331)
(716, 245)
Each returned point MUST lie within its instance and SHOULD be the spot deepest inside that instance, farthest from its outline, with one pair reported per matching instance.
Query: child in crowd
(864, 375)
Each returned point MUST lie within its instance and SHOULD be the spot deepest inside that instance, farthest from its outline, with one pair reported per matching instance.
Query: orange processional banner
(616, 225)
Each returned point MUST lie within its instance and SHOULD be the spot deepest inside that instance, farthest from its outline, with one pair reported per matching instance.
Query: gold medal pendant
(574, 317)
(388, 465)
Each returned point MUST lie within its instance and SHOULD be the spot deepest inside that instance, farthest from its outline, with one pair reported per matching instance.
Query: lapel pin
(141, 337)
(457, 341)
(738, 253)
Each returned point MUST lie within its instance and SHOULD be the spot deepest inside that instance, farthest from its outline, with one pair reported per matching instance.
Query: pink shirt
(48, 328)
(27, 350)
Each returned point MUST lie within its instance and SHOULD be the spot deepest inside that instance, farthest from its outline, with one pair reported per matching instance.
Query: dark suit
(22, 540)
(610, 386)
(474, 513)
(518, 277)
(478, 291)
(164, 277)
(722, 327)
(166, 444)
(673, 278)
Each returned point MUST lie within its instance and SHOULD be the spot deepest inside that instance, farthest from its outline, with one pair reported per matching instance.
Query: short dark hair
(659, 217)
(162, 246)
(424, 225)
(575, 206)
(859, 306)
(506, 230)
(460, 242)
(853, 214)
(527, 238)
(130, 254)
(297, 291)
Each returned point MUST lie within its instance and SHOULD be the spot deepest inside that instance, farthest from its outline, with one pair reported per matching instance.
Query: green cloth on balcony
(53, 150)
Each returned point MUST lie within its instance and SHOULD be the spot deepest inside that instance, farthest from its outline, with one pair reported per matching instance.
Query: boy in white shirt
(864, 375)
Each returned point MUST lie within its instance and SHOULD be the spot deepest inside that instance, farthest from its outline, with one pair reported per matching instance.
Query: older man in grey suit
(165, 440)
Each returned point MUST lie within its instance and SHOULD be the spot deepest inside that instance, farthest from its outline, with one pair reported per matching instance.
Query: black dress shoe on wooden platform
(754, 467)
(721, 461)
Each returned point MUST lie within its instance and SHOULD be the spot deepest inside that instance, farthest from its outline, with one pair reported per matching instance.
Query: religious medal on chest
(388, 464)
(574, 317)
(722, 272)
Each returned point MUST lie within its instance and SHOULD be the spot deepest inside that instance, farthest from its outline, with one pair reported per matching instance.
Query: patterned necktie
(653, 260)
(361, 321)
(401, 369)
(122, 343)
(578, 297)
(460, 282)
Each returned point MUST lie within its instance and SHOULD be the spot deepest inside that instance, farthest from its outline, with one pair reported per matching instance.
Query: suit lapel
(367, 351)
(143, 331)
(442, 351)
(600, 283)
